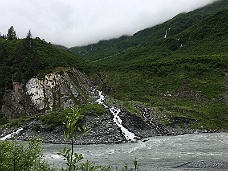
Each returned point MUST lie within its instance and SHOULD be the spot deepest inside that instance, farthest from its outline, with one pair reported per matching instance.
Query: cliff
(61, 89)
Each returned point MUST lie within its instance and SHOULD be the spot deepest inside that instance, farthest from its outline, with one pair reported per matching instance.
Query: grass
(3, 121)
(15, 123)
(58, 117)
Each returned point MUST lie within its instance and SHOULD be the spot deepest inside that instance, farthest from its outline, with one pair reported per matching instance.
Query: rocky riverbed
(102, 130)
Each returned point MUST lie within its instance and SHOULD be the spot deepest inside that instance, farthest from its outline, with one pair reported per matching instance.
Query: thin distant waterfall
(166, 33)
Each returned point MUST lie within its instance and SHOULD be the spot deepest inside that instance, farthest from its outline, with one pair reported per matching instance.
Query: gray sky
(80, 22)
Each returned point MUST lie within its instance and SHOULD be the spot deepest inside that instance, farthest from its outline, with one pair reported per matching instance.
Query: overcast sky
(80, 22)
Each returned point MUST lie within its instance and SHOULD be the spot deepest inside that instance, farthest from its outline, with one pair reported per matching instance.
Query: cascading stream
(166, 33)
(8, 136)
(115, 111)
(128, 135)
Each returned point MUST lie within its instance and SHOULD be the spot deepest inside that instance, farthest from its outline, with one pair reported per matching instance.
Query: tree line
(11, 35)
(19, 60)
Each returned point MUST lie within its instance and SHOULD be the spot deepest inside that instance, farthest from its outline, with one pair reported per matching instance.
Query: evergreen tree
(29, 40)
(11, 35)
(2, 36)
(29, 35)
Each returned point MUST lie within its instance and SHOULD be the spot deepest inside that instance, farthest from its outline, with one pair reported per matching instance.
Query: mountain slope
(183, 73)
(208, 36)
(178, 76)
(178, 24)
(22, 59)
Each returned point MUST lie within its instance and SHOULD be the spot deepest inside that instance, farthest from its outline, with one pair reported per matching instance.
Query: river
(207, 151)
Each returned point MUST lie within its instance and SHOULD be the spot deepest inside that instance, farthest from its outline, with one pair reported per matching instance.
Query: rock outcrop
(40, 95)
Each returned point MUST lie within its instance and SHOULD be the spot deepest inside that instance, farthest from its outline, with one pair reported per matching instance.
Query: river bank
(102, 130)
(117, 125)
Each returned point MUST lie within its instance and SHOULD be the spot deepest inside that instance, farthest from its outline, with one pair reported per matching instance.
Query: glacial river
(192, 152)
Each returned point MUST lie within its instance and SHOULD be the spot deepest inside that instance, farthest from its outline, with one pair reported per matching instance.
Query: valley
(169, 79)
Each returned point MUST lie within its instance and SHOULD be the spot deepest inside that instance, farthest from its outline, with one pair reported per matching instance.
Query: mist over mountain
(73, 23)
(180, 65)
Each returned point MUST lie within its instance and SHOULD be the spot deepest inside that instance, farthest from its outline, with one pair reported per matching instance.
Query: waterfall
(115, 111)
(128, 135)
(8, 136)
(166, 33)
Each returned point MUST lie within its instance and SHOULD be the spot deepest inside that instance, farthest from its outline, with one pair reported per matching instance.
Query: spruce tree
(11, 35)
(29, 35)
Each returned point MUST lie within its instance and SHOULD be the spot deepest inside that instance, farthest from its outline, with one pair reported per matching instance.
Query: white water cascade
(8, 136)
(128, 135)
(166, 33)
(101, 99)
(115, 111)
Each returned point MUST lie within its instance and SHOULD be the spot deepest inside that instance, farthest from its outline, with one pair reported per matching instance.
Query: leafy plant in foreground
(74, 159)
(71, 125)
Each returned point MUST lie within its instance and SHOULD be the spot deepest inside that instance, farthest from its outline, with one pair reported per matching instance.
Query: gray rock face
(16, 103)
(41, 95)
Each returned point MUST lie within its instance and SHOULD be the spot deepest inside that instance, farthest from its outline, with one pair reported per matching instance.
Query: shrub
(15, 156)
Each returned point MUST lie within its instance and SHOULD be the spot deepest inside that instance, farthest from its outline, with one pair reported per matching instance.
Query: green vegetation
(72, 126)
(15, 156)
(181, 77)
(11, 35)
(74, 160)
(115, 47)
(183, 74)
(2, 121)
(55, 118)
(58, 117)
(21, 59)
(15, 123)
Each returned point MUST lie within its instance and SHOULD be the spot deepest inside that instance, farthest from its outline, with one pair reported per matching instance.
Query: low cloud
(80, 22)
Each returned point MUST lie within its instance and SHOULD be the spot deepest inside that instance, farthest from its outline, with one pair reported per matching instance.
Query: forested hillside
(181, 22)
(21, 59)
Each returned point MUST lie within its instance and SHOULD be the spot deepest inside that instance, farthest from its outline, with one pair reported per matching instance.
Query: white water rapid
(115, 111)
(8, 136)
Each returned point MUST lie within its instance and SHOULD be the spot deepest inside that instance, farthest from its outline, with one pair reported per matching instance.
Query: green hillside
(21, 59)
(115, 47)
(183, 74)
